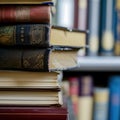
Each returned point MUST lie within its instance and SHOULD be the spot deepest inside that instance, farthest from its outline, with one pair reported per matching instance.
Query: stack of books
(32, 55)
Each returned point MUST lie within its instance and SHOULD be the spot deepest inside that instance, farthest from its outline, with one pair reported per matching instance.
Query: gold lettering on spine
(22, 13)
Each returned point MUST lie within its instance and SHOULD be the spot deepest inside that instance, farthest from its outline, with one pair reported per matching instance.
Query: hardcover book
(30, 80)
(38, 59)
(33, 113)
(25, 14)
(41, 35)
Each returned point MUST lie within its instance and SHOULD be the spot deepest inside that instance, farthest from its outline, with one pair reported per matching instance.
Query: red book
(33, 113)
(25, 13)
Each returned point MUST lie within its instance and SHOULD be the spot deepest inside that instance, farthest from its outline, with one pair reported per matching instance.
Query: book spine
(107, 36)
(117, 41)
(114, 100)
(34, 59)
(93, 37)
(25, 34)
(85, 102)
(25, 14)
(82, 14)
(101, 101)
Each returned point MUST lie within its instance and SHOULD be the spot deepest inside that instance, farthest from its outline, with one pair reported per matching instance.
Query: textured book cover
(25, 14)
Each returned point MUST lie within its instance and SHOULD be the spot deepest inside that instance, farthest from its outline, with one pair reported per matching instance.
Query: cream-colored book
(22, 79)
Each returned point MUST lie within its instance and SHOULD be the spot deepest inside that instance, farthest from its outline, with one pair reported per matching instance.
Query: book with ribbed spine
(42, 35)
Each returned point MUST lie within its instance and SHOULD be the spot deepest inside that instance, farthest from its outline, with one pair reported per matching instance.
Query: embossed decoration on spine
(22, 13)
(7, 35)
(25, 34)
(34, 59)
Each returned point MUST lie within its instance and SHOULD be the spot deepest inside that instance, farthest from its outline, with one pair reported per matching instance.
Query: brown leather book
(36, 59)
(33, 113)
(25, 14)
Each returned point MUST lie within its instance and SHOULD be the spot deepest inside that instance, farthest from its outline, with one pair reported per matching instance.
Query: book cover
(25, 14)
(41, 35)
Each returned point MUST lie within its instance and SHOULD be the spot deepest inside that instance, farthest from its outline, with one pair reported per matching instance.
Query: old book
(30, 80)
(38, 59)
(41, 35)
(26, 2)
(25, 14)
(20, 97)
(32, 113)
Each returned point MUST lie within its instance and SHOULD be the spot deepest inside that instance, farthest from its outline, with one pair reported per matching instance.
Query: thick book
(38, 59)
(25, 14)
(33, 113)
(30, 80)
(31, 97)
(41, 35)
(26, 2)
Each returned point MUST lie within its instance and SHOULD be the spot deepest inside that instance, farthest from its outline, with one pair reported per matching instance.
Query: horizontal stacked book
(32, 55)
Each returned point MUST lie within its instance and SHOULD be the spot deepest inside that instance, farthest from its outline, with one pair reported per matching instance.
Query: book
(25, 14)
(38, 59)
(30, 80)
(31, 97)
(85, 100)
(82, 14)
(32, 113)
(26, 2)
(101, 102)
(114, 99)
(93, 26)
(41, 35)
(107, 32)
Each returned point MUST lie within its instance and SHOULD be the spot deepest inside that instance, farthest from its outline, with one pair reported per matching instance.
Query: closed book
(26, 2)
(101, 102)
(31, 97)
(41, 35)
(85, 100)
(38, 59)
(114, 100)
(107, 31)
(30, 80)
(25, 14)
(32, 113)
(93, 26)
